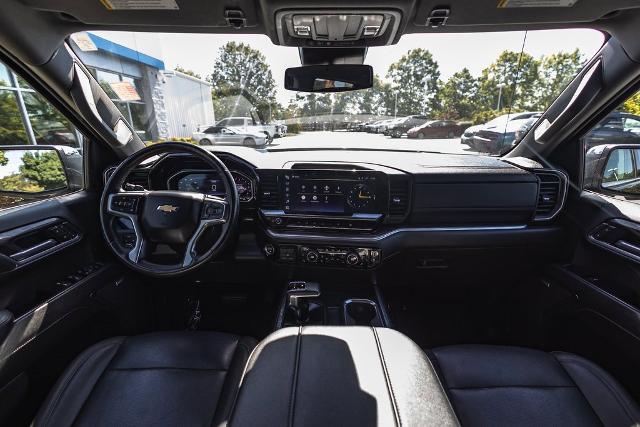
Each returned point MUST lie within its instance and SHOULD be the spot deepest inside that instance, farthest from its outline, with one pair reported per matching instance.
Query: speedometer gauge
(244, 186)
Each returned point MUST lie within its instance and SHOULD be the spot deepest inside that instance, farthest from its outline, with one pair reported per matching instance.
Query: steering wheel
(179, 220)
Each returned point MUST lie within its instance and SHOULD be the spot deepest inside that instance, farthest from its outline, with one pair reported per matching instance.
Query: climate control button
(312, 256)
(352, 258)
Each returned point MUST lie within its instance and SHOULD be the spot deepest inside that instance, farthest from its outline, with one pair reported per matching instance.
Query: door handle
(33, 250)
(629, 247)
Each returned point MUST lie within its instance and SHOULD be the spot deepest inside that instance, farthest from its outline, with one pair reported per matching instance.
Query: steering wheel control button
(212, 210)
(125, 204)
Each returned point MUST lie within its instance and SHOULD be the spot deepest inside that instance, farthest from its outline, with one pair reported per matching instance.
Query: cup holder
(361, 312)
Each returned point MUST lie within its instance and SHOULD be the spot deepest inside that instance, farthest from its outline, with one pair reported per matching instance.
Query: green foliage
(483, 116)
(11, 128)
(43, 169)
(3, 158)
(241, 71)
(18, 182)
(458, 96)
(243, 85)
(293, 128)
(517, 74)
(415, 77)
(632, 104)
(556, 71)
(187, 72)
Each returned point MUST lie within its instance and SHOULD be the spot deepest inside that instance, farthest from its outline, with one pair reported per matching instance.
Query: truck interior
(173, 284)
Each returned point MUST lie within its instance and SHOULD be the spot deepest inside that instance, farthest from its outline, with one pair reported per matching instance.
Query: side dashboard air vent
(399, 196)
(551, 195)
(269, 191)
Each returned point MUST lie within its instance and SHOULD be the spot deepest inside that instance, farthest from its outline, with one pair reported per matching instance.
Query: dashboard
(307, 207)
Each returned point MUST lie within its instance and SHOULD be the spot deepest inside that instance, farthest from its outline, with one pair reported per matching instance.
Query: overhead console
(337, 28)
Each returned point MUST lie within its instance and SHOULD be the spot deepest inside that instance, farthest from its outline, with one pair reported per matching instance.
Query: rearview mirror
(328, 78)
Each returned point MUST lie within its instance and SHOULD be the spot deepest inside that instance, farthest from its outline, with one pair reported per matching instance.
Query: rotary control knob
(312, 256)
(352, 258)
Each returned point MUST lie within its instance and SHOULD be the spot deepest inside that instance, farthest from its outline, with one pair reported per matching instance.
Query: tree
(556, 71)
(518, 75)
(3, 158)
(632, 104)
(458, 96)
(11, 128)
(415, 78)
(187, 72)
(239, 71)
(44, 169)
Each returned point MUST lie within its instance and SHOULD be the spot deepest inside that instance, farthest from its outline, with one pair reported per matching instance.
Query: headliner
(37, 27)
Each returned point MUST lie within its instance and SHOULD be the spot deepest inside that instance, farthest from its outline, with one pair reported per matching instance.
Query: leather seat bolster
(74, 387)
(605, 395)
(495, 385)
(168, 378)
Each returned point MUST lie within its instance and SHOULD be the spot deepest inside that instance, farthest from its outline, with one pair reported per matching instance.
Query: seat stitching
(435, 368)
(175, 368)
(68, 380)
(613, 391)
(387, 379)
(512, 386)
(239, 346)
(294, 382)
(242, 377)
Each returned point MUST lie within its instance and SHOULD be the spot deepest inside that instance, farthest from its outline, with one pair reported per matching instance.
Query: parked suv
(500, 121)
(403, 125)
(616, 128)
(437, 129)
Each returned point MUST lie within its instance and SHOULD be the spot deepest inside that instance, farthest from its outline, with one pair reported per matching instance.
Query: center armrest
(322, 376)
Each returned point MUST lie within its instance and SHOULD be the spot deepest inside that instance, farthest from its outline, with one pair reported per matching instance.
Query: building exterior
(158, 103)
(187, 103)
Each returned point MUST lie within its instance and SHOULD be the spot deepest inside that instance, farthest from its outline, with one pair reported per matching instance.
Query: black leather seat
(494, 386)
(171, 378)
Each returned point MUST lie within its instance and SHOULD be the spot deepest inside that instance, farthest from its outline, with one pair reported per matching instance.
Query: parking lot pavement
(340, 139)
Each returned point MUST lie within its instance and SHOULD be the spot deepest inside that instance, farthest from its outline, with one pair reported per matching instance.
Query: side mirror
(34, 172)
(328, 78)
(613, 169)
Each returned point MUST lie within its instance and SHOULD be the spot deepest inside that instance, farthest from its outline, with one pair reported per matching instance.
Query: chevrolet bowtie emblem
(167, 208)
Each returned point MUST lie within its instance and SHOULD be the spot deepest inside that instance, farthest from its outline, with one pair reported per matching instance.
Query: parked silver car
(229, 136)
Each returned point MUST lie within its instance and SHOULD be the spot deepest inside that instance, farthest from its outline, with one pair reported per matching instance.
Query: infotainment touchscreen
(324, 193)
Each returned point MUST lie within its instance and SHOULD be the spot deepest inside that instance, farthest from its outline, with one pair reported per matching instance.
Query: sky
(453, 52)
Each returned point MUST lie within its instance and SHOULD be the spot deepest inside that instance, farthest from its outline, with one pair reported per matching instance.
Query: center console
(330, 376)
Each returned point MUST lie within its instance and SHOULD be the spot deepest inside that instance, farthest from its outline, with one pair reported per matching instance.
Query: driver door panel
(49, 272)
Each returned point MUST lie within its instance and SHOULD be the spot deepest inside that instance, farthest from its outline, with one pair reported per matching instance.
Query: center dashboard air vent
(551, 193)
(269, 190)
(399, 197)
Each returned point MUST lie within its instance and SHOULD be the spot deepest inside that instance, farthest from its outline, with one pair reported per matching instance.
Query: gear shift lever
(298, 293)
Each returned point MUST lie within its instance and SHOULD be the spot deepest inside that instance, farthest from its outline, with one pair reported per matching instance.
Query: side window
(40, 150)
(236, 122)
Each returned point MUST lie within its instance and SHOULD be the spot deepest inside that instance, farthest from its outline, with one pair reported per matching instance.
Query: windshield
(466, 87)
